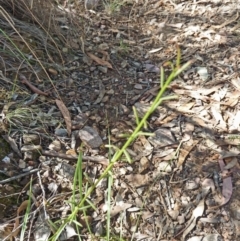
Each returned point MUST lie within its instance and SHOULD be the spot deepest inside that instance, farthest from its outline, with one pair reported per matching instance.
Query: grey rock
(61, 132)
(103, 69)
(90, 136)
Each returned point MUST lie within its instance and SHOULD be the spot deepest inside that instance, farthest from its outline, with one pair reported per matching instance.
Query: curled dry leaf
(104, 53)
(137, 180)
(184, 153)
(66, 115)
(231, 164)
(16, 228)
(101, 93)
(215, 109)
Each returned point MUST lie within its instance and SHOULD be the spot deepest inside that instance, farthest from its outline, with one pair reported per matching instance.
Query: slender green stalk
(109, 191)
(158, 100)
(25, 220)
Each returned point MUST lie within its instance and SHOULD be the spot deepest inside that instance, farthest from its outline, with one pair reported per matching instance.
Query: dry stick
(97, 159)
(226, 23)
(44, 196)
(19, 176)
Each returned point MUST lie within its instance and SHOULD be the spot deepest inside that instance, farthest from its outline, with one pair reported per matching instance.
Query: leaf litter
(164, 195)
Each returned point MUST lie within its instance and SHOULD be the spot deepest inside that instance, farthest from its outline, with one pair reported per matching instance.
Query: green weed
(83, 188)
(113, 6)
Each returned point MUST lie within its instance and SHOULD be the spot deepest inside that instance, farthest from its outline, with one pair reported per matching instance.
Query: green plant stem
(132, 137)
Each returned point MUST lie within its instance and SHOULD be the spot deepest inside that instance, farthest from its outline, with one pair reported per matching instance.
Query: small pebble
(65, 50)
(138, 86)
(61, 132)
(124, 64)
(6, 159)
(103, 46)
(22, 164)
(87, 60)
(92, 68)
(164, 166)
(103, 69)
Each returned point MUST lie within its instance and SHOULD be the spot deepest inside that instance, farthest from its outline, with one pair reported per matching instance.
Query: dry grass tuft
(31, 31)
(31, 11)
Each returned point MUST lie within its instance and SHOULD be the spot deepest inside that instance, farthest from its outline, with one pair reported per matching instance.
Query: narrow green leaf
(128, 156)
(136, 115)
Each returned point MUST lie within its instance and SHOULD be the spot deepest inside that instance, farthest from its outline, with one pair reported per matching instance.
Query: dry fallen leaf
(71, 152)
(105, 54)
(137, 180)
(119, 208)
(101, 93)
(66, 115)
(184, 153)
(99, 61)
(143, 164)
(236, 122)
(185, 108)
(231, 164)
(220, 94)
(215, 109)
(16, 228)
(194, 94)
(226, 154)
(199, 121)
(5, 231)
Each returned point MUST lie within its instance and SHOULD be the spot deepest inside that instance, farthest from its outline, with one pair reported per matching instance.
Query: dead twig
(226, 23)
(100, 160)
(18, 176)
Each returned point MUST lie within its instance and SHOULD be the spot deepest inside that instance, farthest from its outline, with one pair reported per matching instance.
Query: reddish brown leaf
(99, 61)
(16, 228)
